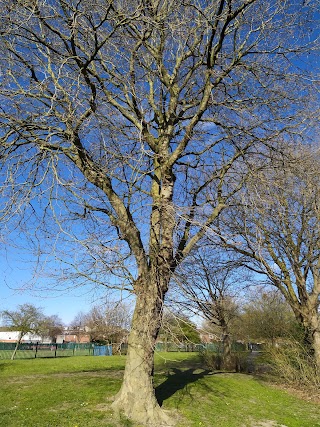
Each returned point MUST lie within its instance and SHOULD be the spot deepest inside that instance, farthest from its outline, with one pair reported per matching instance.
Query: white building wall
(13, 336)
(9, 336)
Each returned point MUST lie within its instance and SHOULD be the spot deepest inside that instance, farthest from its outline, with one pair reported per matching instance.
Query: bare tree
(78, 326)
(125, 129)
(109, 322)
(27, 318)
(209, 287)
(276, 230)
(53, 327)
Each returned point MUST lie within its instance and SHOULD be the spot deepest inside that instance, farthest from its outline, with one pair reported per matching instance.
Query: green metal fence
(215, 347)
(35, 350)
(183, 347)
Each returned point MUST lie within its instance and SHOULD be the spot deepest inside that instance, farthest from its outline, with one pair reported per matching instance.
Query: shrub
(211, 360)
(295, 365)
(214, 361)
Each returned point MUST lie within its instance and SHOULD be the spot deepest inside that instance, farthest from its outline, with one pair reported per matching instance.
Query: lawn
(77, 391)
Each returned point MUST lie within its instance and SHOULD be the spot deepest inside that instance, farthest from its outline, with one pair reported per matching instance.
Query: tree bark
(17, 346)
(311, 327)
(315, 339)
(15, 350)
(316, 348)
(136, 398)
(226, 350)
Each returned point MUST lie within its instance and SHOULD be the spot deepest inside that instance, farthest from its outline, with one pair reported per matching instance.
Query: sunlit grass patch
(78, 392)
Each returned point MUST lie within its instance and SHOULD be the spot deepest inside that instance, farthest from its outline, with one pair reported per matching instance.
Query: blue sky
(17, 286)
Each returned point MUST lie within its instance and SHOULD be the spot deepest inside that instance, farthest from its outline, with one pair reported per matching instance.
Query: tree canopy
(27, 318)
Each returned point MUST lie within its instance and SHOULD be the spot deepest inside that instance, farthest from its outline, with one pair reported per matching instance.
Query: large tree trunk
(316, 348)
(315, 339)
(226, 350)
(136, 398)
(311, 326)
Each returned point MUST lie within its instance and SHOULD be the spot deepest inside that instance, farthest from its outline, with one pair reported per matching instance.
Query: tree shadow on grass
(178, 380)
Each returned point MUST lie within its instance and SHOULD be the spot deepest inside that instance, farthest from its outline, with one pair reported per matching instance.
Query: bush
(242, 362)
(211, 360)
(214, 361)
(295, 365)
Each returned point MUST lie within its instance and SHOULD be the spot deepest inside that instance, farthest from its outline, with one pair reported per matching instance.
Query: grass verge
(77, 391)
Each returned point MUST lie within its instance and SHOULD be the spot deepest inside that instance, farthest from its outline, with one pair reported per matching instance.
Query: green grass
(77, 391)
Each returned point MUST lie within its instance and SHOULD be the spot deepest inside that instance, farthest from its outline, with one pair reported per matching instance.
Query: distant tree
(189, 330)
(53, 326)
(27, 318)
(109, 322)
(208, 287)
(275, 230)
(78, 326)
(266, 317)
(178, 328)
